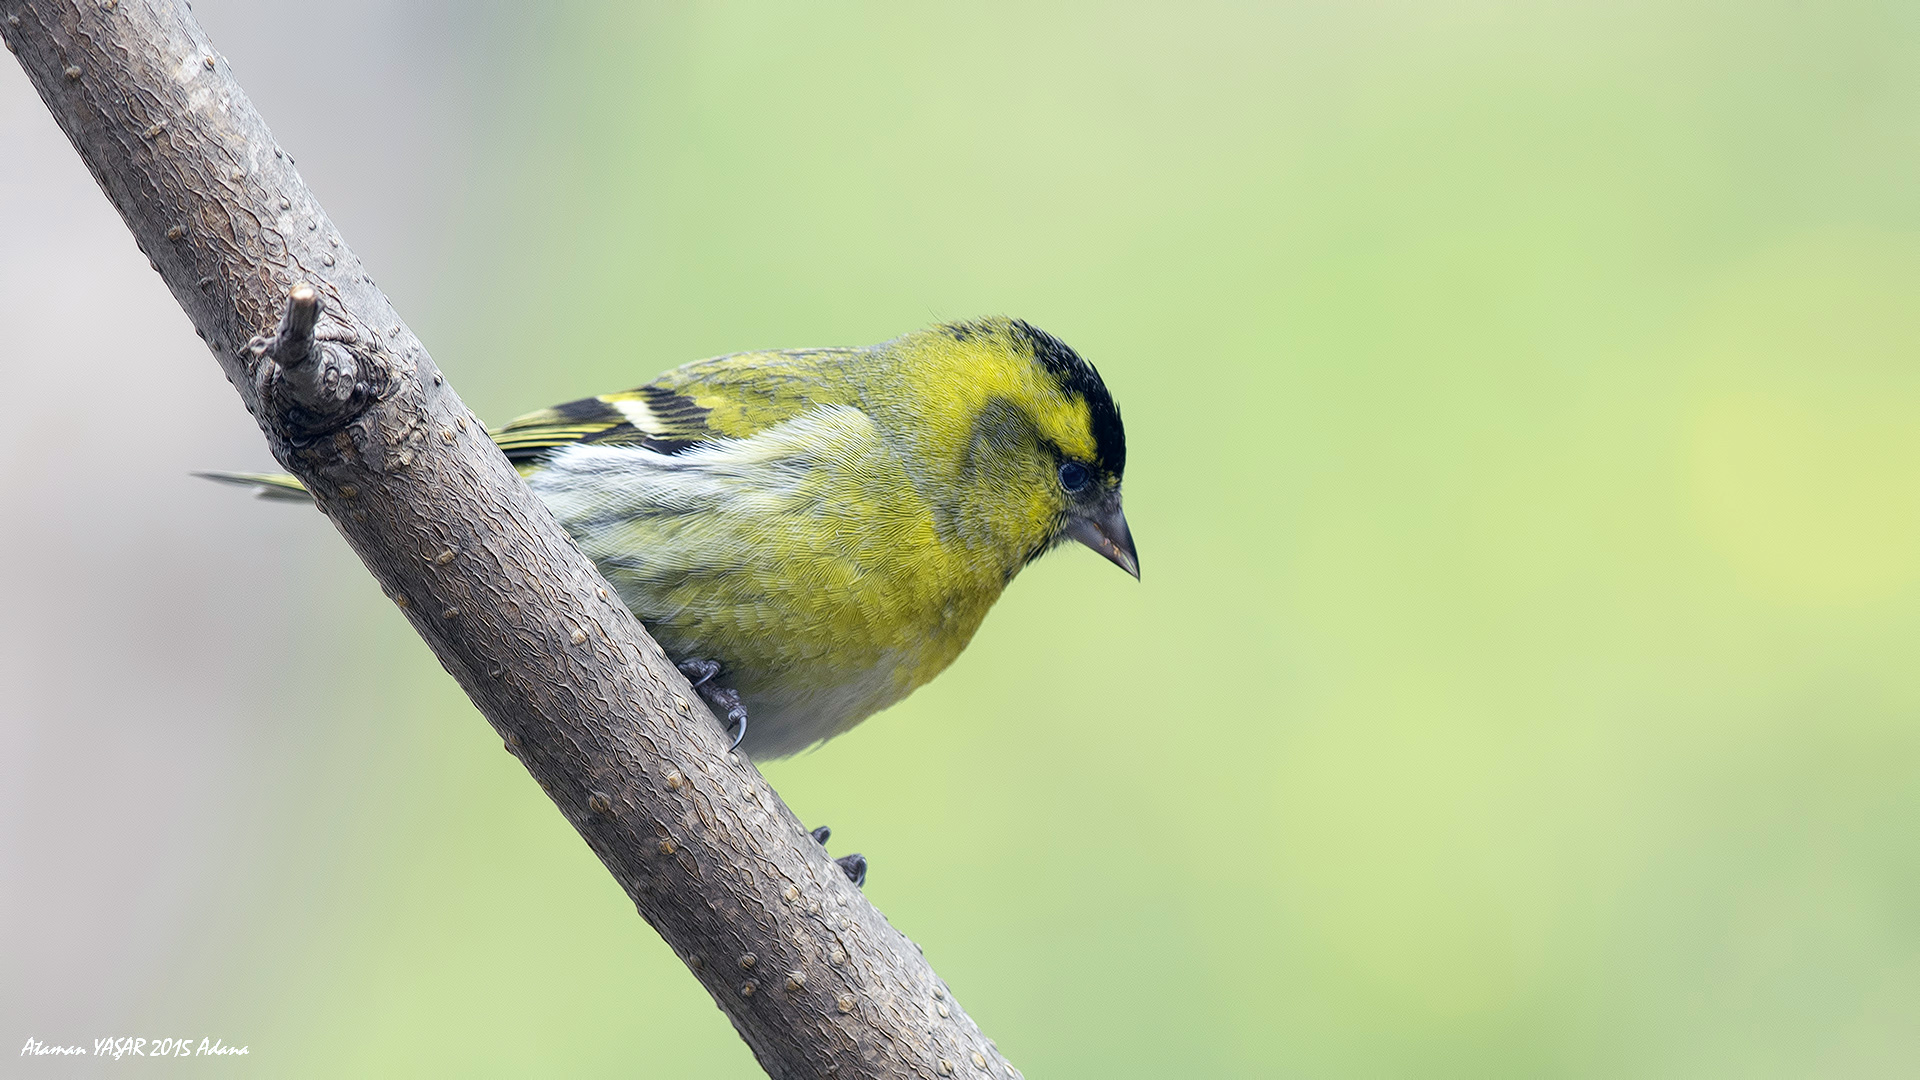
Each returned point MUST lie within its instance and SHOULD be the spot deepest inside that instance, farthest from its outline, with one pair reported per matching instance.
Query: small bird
(812, 534)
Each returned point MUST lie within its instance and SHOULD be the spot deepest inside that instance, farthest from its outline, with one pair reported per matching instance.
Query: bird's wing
(728, 397)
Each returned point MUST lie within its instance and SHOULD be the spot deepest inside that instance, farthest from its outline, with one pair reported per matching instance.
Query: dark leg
(699, 672)
(721, 699)
(854, 866)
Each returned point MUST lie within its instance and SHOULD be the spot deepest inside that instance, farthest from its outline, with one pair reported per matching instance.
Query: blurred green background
(1522, 400)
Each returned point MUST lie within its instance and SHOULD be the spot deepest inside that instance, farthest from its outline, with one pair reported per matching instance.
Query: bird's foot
(854, 866)
(721, 699)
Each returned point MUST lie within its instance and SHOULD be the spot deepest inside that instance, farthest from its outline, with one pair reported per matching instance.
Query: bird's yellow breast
(804, 559)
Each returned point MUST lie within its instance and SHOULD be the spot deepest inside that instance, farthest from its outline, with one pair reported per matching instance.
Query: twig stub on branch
(310, 386)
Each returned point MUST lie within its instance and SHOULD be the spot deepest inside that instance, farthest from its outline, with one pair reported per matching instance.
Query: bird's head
(1024, 439)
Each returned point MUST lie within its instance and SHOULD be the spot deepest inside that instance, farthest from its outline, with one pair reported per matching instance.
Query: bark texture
(813, 977)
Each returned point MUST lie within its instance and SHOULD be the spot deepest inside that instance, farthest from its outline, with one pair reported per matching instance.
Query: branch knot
(309, 383)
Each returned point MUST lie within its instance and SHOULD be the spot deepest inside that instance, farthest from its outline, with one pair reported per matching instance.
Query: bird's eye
(1074, 476)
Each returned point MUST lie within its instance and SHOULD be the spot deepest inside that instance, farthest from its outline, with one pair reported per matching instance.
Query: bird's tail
(265, 485)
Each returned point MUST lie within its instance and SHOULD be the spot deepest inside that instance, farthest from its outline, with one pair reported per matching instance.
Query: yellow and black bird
(812, 534)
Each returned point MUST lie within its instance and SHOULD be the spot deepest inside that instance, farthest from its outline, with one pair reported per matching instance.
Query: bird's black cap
(1078, 379)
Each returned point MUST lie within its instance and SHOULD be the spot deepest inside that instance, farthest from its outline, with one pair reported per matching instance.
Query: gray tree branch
(813, 977)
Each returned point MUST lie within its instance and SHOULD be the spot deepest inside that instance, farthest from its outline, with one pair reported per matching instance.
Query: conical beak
(1104, 529)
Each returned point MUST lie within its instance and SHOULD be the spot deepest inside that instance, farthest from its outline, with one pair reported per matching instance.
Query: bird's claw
(699, 672)
(854, 866)
(721, 699)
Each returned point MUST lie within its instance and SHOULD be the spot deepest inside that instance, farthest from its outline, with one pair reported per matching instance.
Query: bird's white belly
(689, 539)
(785, 718)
